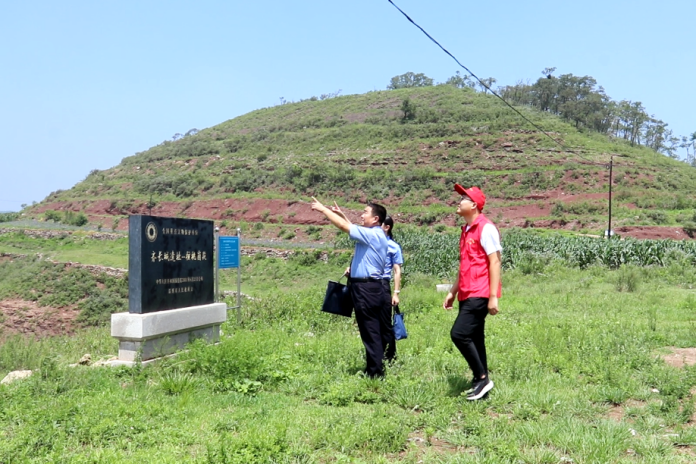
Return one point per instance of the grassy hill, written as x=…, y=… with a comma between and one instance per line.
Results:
x=263, y=166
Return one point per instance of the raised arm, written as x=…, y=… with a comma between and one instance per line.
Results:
x=336, y=209
x=339, y=220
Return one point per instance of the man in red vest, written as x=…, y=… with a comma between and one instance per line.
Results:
x=477, y=286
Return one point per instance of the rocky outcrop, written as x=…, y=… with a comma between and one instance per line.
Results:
x=15, y=375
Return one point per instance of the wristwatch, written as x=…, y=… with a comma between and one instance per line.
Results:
x=397, y=291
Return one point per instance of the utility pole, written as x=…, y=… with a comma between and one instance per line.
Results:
x=611, y=168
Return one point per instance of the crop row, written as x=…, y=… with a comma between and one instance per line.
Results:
x=437, y=254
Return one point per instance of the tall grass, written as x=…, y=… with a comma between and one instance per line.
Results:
x=575, y=364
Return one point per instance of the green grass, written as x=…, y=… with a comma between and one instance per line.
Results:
x=567, y=349
x=76, y=246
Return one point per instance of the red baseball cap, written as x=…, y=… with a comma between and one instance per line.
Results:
x=474, y=193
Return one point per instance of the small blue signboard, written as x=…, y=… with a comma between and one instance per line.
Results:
x=228, y=255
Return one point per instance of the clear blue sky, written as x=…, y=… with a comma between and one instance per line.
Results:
x=84, y=84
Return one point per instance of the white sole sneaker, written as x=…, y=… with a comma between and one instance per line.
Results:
x=482, y=393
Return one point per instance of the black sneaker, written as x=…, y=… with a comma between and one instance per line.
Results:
x=481, y=388
x=473, y=382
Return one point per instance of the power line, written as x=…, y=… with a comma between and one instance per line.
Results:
x=475, y=76
x=563, y=147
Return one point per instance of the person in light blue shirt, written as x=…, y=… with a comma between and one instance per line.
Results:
x=393, y=263
x=370, y=300
x=394, y=260
x=371, y=247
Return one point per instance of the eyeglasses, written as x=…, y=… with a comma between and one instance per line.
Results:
x=467, y=199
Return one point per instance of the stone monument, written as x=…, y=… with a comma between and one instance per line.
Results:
x=171, y=296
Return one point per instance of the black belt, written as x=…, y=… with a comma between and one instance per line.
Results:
x=364, y=279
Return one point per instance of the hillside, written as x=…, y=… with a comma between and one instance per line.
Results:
x=262, y=167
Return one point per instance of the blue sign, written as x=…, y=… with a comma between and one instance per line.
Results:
x=228, y=254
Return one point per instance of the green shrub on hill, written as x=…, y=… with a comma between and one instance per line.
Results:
x=8, y=217
x=69, y=217
x=58, y=286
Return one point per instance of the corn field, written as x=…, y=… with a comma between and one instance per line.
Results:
x=436, y=254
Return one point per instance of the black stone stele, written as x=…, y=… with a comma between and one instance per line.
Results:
x=170, y=263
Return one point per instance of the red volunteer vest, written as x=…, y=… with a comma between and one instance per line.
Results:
x=473, y=263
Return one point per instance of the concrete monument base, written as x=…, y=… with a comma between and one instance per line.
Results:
x=147, y=336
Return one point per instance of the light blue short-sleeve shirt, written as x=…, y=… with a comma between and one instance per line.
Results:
x=393, y=257
x=370, y=251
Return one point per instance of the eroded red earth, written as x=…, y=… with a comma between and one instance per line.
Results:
x=299, y=213
x=28, y=318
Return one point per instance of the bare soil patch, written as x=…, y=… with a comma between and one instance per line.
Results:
x=653, y=232
x=532, y=210
x=430, y=445
x=27, y=317
x=617, y=412
x=680, y=357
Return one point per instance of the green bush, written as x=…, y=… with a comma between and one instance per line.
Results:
x=79, y=220
x=531, y=263
x=8, y=217
x=306, y=258
x=557, y=209
x=659, y=217
x=55, y=216
x=689, y=228
x=98, y=307
x=627, y=278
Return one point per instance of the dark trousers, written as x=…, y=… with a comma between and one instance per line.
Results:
x=387, y=326
x=369, y=301
x=467, y=334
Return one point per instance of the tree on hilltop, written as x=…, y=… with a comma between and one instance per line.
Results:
x=460, y=81
x=487, y=83
x=408, y=80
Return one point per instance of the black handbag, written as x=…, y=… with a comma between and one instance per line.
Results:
x=337, y=299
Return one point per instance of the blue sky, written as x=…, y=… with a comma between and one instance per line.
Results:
x=84, y=84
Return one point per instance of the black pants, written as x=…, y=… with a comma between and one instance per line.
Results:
x=369, y=301
x=467, y=334
x=386, y=323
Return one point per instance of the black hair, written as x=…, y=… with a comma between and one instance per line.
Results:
x=379, y=211
x=388, y=221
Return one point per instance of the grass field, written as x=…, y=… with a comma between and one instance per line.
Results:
x=78, y=246
x=575, y=356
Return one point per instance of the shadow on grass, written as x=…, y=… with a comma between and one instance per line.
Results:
x=457, y=385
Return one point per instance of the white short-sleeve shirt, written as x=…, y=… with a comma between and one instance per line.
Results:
x=490, y=239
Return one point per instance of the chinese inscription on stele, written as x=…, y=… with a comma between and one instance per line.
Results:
x=170, y=263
